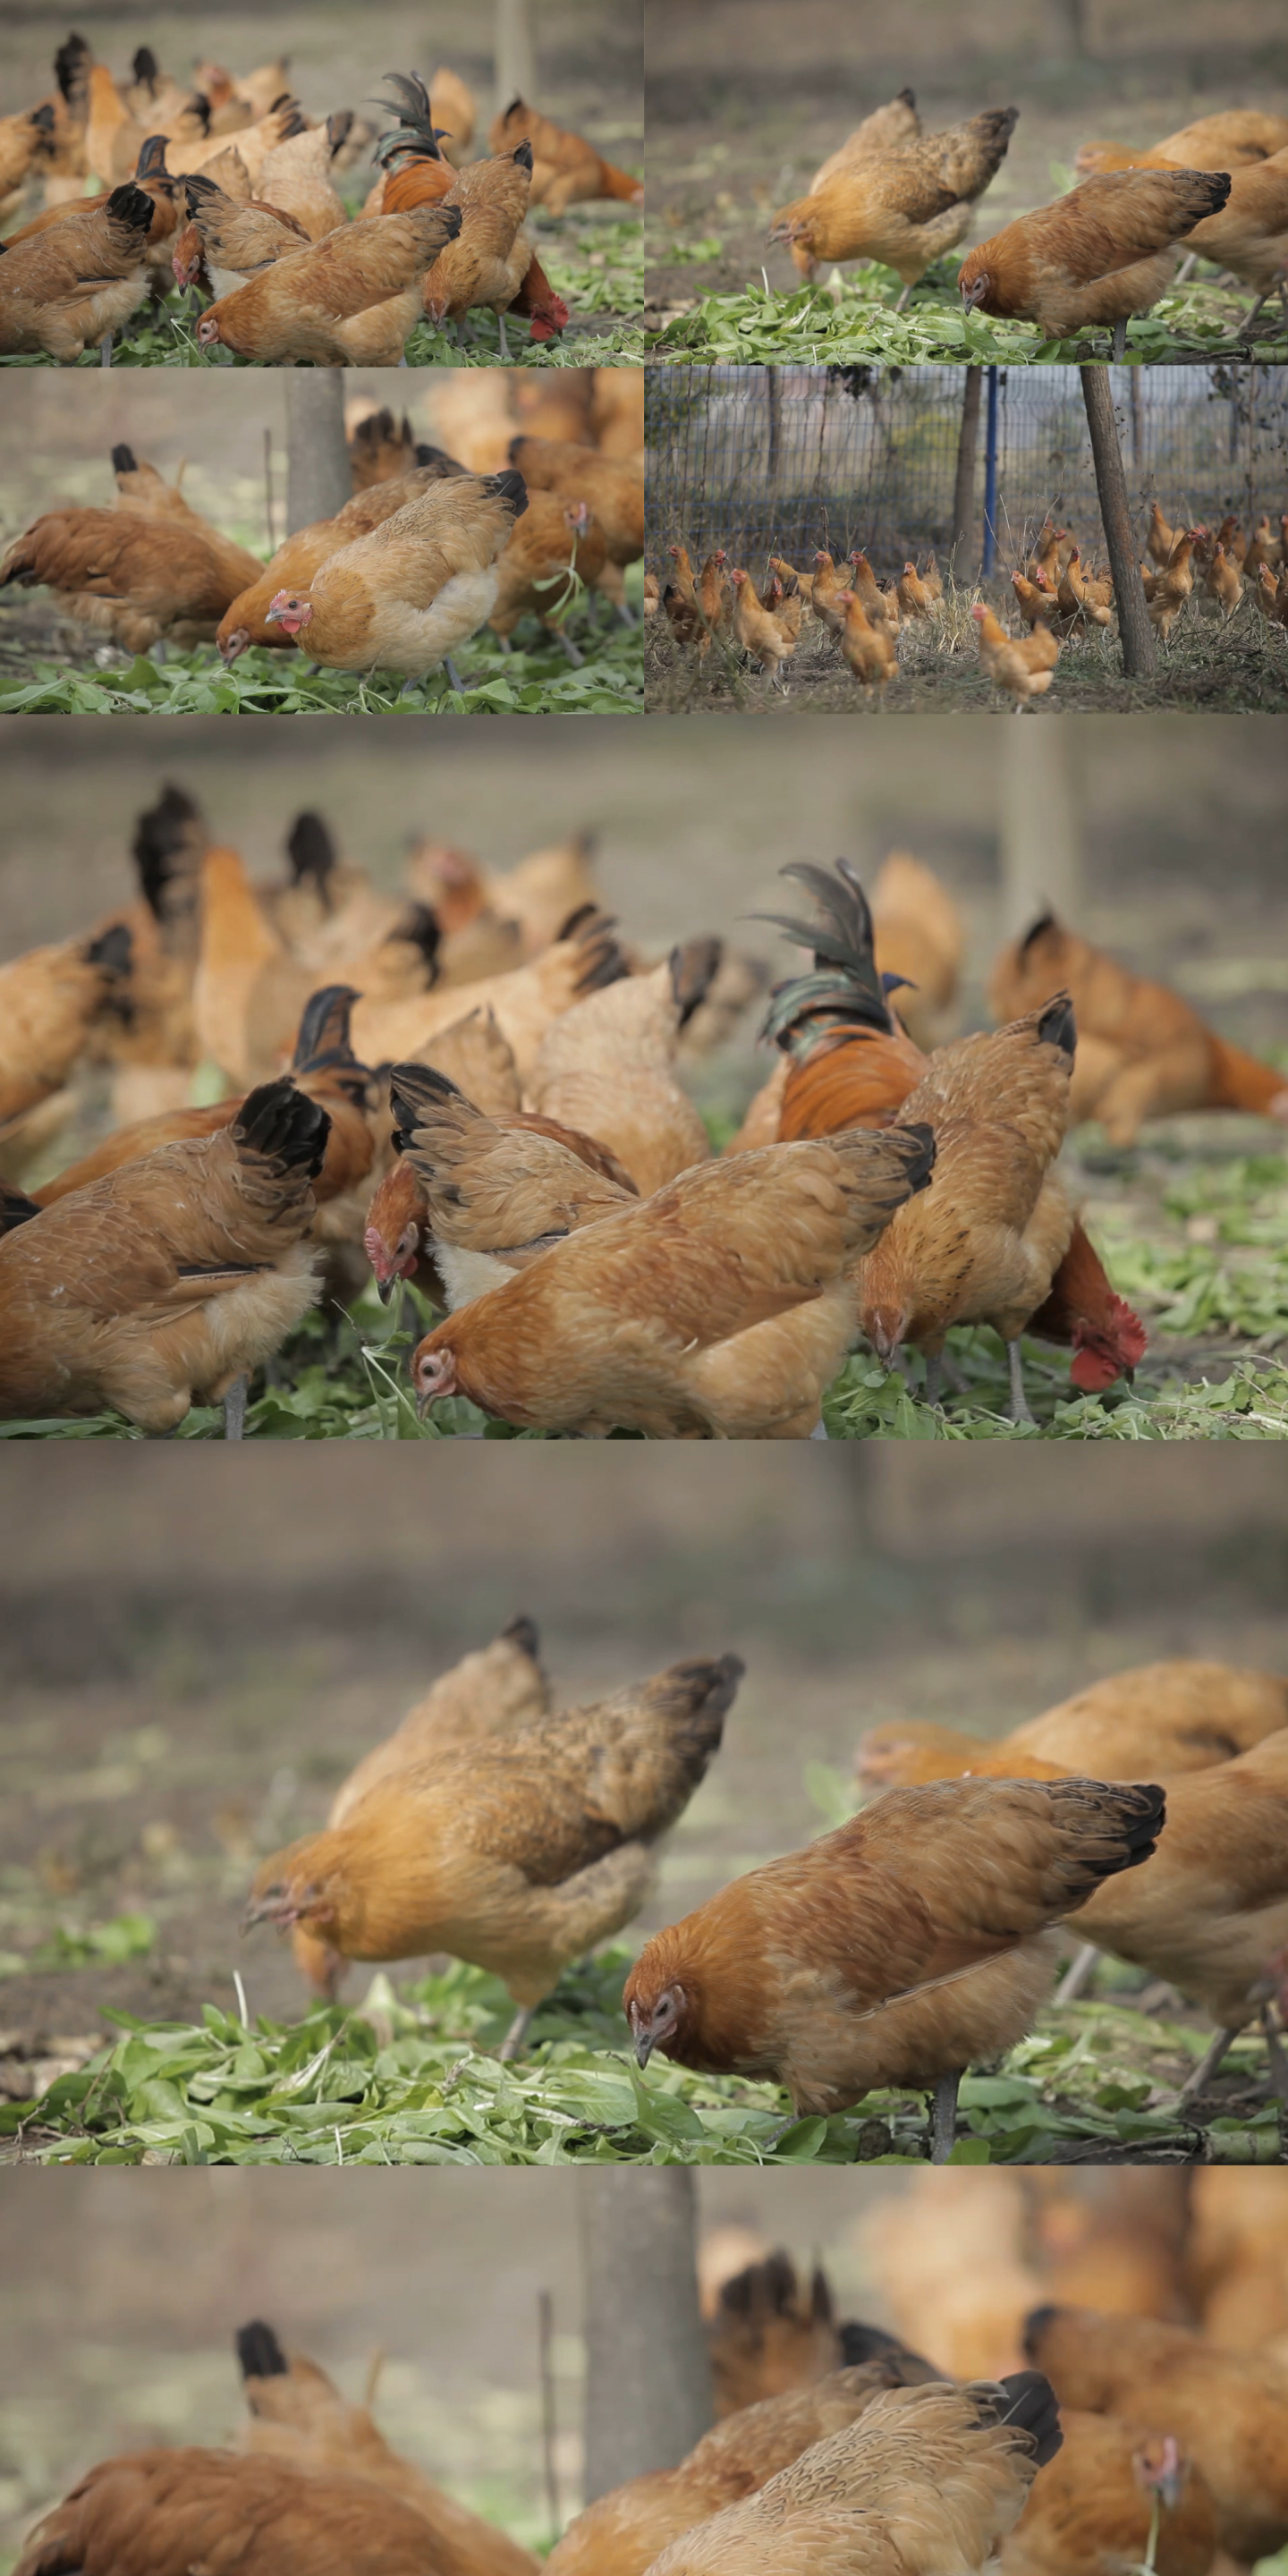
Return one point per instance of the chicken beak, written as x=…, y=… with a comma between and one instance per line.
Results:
x=385, y=1288
x=423, y=1402
x=643, y=2047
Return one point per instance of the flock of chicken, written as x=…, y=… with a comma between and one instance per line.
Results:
x=230, y=187
x=425, y=554
x=484, y=1096
x=1057, y=597
x=1106, y=250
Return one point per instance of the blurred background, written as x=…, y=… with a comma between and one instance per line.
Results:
x=744, y=99
x=123, y=2293
x=197, y=1657
x=589, y=57
x=1158, y=838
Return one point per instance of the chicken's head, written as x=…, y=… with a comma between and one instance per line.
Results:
x=208, y=329
x=433, y=1373
x=234, y=642
x=974, y=290
x=284, y=1894
x=655, y=2019
x=1105, y=1352
x=392, y=1261
x=289, y=609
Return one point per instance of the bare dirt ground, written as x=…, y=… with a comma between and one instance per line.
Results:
x=744, y=102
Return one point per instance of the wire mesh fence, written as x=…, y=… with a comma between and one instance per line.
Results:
x=762, y=459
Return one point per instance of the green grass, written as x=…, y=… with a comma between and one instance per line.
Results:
x=597, y=267
x=534, y=678
x=852, y=316
x=413, y=2078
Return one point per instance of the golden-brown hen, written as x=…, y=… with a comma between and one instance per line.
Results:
x=49, y=1001
x=986, y=1239
x=518, y=1855
x=302, y=554
x=719, y=1308
x=566, y=169
x=607, y=1066
x=904, y=206
x=894, y=1952
x=349, y=300
x=1099, y=254
x=1152, y=1721
x=406, y=595
x=297, y=2414
x=168, y=2513
x=928, y=2478
x=78, y=281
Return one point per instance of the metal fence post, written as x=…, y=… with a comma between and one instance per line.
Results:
x=990, y=477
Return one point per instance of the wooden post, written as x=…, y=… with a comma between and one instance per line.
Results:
x=1136, y=635
x=318, y=480
x=648, y=2376
x=515, y=62
x=1041, y=828
x=959, y=557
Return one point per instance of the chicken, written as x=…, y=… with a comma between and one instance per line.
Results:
x=50, y=1000
x=352, y=299
x=322, y=1065
x=1223, y=582
x=296, y=179
x=1091, y=2509
x=168, y=2513
x=850, y=1063
x=883, y=131
x=566, y=170
x=1231, y=2412
x=868, y=648
x=1022, y=667
x=1228, y=140
x=1099, y=254
x=382, y=449
x=1142, y=1051
x=1172, y=586
x=553, y=538
x=1081, y=597
x=995, y=1224
x=913, y=596
x=227, y=242
x=77, y=282
x=496, y=1691
x=622, y=2533
x=765, y=2337
x=904, y=207
x=1117, y=2243
x=518, y=1855
x=153, y=179
x=1154, y=1720
x=1161, y=538
x=404, y=596
x=882, y=606
x=607, y=1067
x=1249, y=234
x=919, y=1935
x=928, y=2478
x=246, y=619
x=297, y=2415
x=524, y=1001
x=719, y=1308
x=149, y=569
x=829, y=593
x=920, y=938
x=488, y=259
x=713, y=597
x=538, y=896
x=177, y=1275
x=494, y=1193
x=24, y=139
x=612, y=491
x=755, y=630
x=1210, y=1914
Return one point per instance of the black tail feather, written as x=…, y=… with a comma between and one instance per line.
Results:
x=259, y=2354
x=284, y=1125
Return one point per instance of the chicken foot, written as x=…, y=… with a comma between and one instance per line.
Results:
x=1197, y=2082
x=1077, y=1978
x=1278, y=2057
x=235, y=1408
x=105, y=350
x=943, y=2119
x=1119, y=348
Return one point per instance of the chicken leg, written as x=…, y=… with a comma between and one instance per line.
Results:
x=1278, y=2056
x=235, y=1409
x=1119, y=351
x=105, y=350
x=1077, y=1978
x=1197, y=2082
x=943, y=2119
x=516, y=2034
x=1019, y=1404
